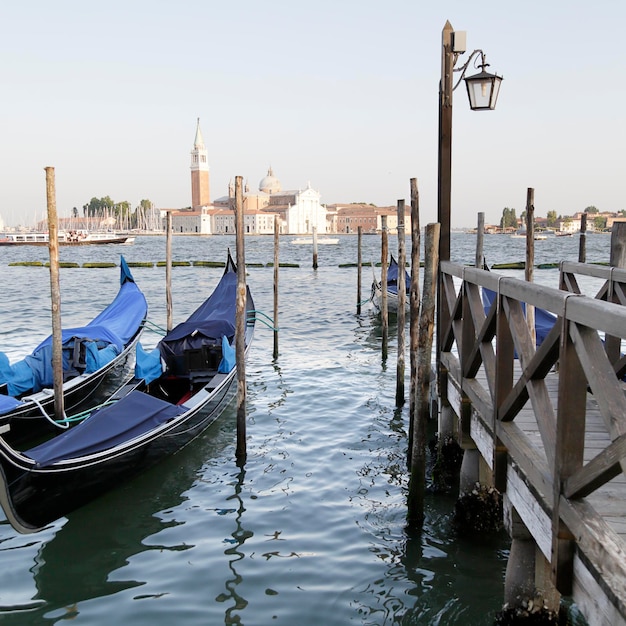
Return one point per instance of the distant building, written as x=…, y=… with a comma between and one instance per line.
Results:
x=348, y=217
x=255, y=222
x=189, y=221
x=299, y=211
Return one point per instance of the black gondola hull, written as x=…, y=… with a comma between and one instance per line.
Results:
x=39, y=496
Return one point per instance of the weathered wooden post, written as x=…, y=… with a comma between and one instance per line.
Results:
x=168, y=270
x=358, y=269
x=384, y=311
x=276, y=267
x=414, y=304
x=530, y=258
x=424, y=363
x=314, y=247
x=480, y=242
x=401, y=306
x=618, y=245
x=582, y=242
x=617, y=259
x=55, y=292
x=240, y=324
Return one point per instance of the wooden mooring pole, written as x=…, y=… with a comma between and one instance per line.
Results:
x=415, y=501
x=168, y=270
x=240, y=324
x=530, y=258
x=384, y=310
x=582, y=242
x=314, y=247
x=358, y=269
x=414, y=304
x=55, y=292
x=401, y=306
x=276, y=267
x=480, y=242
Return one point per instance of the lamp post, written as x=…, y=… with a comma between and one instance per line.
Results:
x=482, y=90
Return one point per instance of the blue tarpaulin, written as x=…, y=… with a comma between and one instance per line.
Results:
x=212, y=320
x=229, y=359
x=148, y=365
x=133, y=415
x=86, y=348
x=392, y=278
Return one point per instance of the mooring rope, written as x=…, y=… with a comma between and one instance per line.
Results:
x=253, y=316
x=155, y=328
x=58, y=424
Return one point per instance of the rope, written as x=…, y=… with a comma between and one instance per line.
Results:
x=253, y=317
x=58, y=424
x=83, y=414
x=155, y=328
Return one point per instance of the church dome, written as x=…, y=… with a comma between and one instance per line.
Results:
x=269, y=184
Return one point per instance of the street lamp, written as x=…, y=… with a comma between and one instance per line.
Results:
x=482, y=90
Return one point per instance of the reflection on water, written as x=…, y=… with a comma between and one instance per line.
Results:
x=313, y=529
x=235, y=554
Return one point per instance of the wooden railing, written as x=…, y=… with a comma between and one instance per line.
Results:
x=487, y=356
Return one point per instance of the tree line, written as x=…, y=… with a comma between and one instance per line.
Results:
x=121, y=213
x=509, y=218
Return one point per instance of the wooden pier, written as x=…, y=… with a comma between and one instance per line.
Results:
x=546, y=426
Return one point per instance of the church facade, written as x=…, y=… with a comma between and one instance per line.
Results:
x=299, y=211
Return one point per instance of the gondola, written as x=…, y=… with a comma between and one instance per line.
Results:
x=95, y=356
x=180, y=388
x=392, y=288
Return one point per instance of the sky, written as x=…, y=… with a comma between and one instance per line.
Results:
x=341, y=94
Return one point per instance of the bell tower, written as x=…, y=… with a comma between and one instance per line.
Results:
x=200, y=195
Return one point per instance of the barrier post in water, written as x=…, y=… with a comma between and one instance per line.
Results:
x=358, y=269
x=414, y=304
x=314, y=247
x=168, y=270
x=417, y=479
x=582, y=242
x=240, y=323
x=530, y=258
x=384, y=313
x=401, y=306
x=276, y=266
x=55, y=292
x=480, y=241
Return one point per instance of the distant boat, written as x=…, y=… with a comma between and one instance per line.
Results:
x=320, y=240
x=66, y=238
x=521, y=234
